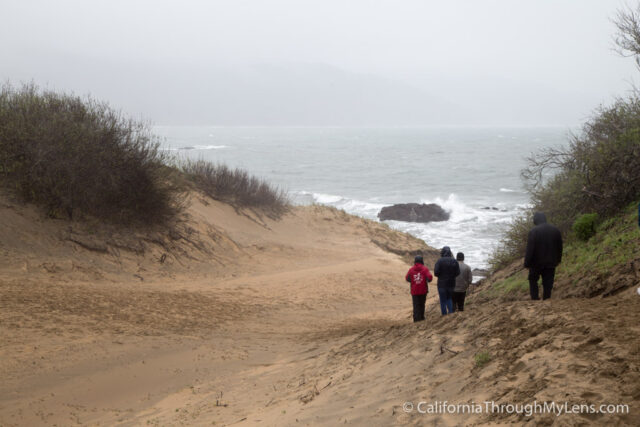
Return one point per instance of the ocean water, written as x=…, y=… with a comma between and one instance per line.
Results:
x=474, y=173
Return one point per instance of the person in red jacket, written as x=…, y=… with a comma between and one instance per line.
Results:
x=419, y=276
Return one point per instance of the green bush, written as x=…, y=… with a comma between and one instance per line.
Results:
x=585, y=226
x=482, y=359
x=514, y=242
x=598, y=172
x=76, y=156
x=236, y=187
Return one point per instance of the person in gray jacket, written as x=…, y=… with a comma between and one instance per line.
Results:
x=462, y=283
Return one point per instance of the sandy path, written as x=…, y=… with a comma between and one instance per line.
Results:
x=163, y=348
x=167, y=356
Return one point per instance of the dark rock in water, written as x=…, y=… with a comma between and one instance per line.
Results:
x=480, y=272
x=492, y=208
x=414, y=212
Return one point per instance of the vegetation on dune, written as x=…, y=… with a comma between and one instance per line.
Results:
x=516, y=284
x=482, y=358
x=598, y=173
x=513, y=243
x=612, y=250
x=235, y=187
x=78, y=157
x=585, y=226
x=607, y=262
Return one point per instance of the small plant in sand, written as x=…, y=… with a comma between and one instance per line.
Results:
x=482, y=358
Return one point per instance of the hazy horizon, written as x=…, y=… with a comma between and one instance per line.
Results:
x=311, y=63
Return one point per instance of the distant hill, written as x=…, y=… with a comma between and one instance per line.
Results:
x=296, y=94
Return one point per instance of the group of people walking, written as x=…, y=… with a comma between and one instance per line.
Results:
x=543, y=254
x=454, y=278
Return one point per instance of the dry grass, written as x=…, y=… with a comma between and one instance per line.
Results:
x=236, y=187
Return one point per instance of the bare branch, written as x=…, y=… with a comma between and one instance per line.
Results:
x=627, y=39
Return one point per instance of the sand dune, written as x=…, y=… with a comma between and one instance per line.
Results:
x=236, y=319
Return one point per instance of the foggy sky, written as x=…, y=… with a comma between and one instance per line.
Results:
x=345, y=62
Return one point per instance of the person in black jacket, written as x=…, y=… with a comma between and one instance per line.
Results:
x=446, y=270
x=544, y=253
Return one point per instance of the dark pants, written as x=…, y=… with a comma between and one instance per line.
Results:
x=547, y=274
x=418, y=307
x=446, y=304
x=458, y=300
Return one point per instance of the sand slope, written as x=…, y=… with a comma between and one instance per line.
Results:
x=236, y=319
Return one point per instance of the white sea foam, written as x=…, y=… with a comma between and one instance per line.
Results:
x=210, y=147
x=356, y=207
x=196, y=147
x=326, y=199
x=466, y=230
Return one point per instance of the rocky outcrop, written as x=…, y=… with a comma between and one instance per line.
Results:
x=480, y=272
x=414, y=212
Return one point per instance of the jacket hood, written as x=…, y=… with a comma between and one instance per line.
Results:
x=418, y=260
x=446, y=252
x=539, y=218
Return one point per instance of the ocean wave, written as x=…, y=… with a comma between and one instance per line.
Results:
x=458, y=210
x=210, y=147
x=196, y=147
x=326, y=199
x=353, y=206
x=470, y=228
x=508, y=190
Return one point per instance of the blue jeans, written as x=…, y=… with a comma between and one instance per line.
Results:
x=446, y=300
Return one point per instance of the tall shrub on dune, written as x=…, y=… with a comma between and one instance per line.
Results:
x=75, y=156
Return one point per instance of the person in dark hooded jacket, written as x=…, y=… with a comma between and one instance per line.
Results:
x=544, y=253
x=419, y=276
x=446, y=270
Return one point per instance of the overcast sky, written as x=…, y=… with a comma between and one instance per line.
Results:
x=345, y=62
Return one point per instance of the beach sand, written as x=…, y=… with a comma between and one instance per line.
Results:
x=237, y=319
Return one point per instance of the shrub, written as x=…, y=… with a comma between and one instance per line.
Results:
x=513, y=243
x=236, y=187
x=482, y=359
x=76, y=156
x=585, y=226
x=598, y=172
